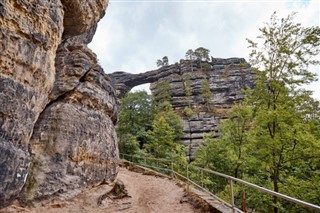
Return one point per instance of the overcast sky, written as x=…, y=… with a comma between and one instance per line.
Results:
x=135, y=33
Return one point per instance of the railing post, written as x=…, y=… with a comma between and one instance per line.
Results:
x=201, y=178
x=232, y=197
x=244, y=202
x=188, y=177
x=172, y=170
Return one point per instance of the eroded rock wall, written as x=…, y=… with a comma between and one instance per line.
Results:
x=226, y=78
x=57, y=107
x=30, y=32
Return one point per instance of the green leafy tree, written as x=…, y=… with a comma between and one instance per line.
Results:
x=187, y=89
x=161, y=142
x=161, y=92
x=166, y=111
x=202, y=54
x=235, y=135
x=213, y=154
x=159, y=63
x=161, y=139
x=272, y=137
x=163, y=62
x=283, y=135
x=135, y=118
x=190, y=55
x=129, y=144
x=206, y=93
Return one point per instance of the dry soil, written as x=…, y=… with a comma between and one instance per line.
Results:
x=147, y=194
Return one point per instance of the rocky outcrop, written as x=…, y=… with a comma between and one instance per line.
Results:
x=124, y=81
x=226, y=78
x=58, y=108
x=74, y=141
x=81, y=15
x=30, y=32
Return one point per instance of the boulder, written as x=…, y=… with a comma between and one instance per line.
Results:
x=58, y=108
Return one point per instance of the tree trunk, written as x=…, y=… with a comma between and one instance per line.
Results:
x=276, y=189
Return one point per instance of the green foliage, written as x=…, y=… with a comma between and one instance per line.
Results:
x=165, y=111
x=236, y=136
x=227, y=154
x=213, y=154
x=187, y=112
x=282, y=134
x=190, y=55
x=159, y=63
x=272, y=137
x=187, y=89
x=161, y=140
x=135, y=118
x=202, y=53
x=164, y=137
x=161, y=92
x=129, y=144
x=163, y=62
x=206, y=93
x=148, y=130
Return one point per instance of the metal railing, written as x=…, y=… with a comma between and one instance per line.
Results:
x=170, y=168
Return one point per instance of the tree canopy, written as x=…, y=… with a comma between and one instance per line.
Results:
x=272, y=137
x=135, y=119
x=163, y=62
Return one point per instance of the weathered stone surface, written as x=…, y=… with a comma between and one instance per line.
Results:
x=81, y=15
x=226, y=78
x=124, y=82
x=58, y=108
x=30, y=32
x=72, y=63
x=74, y=141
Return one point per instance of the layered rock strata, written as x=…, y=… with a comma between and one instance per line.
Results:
x=58, y=108
x=226, y=78
x=30, y=32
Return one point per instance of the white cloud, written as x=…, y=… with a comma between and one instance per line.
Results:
x=134, y=34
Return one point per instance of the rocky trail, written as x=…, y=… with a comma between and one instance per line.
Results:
x=145, y=194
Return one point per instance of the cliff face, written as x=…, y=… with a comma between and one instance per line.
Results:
x=226, y=78
x=58, y=108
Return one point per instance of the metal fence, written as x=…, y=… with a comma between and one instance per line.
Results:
x=171, y=167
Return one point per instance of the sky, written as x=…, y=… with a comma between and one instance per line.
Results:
x=134, y=34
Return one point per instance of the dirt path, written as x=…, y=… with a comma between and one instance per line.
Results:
x=148, y=194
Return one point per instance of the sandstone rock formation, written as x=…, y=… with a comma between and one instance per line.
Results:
x=58, y=108
x=226, y=78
